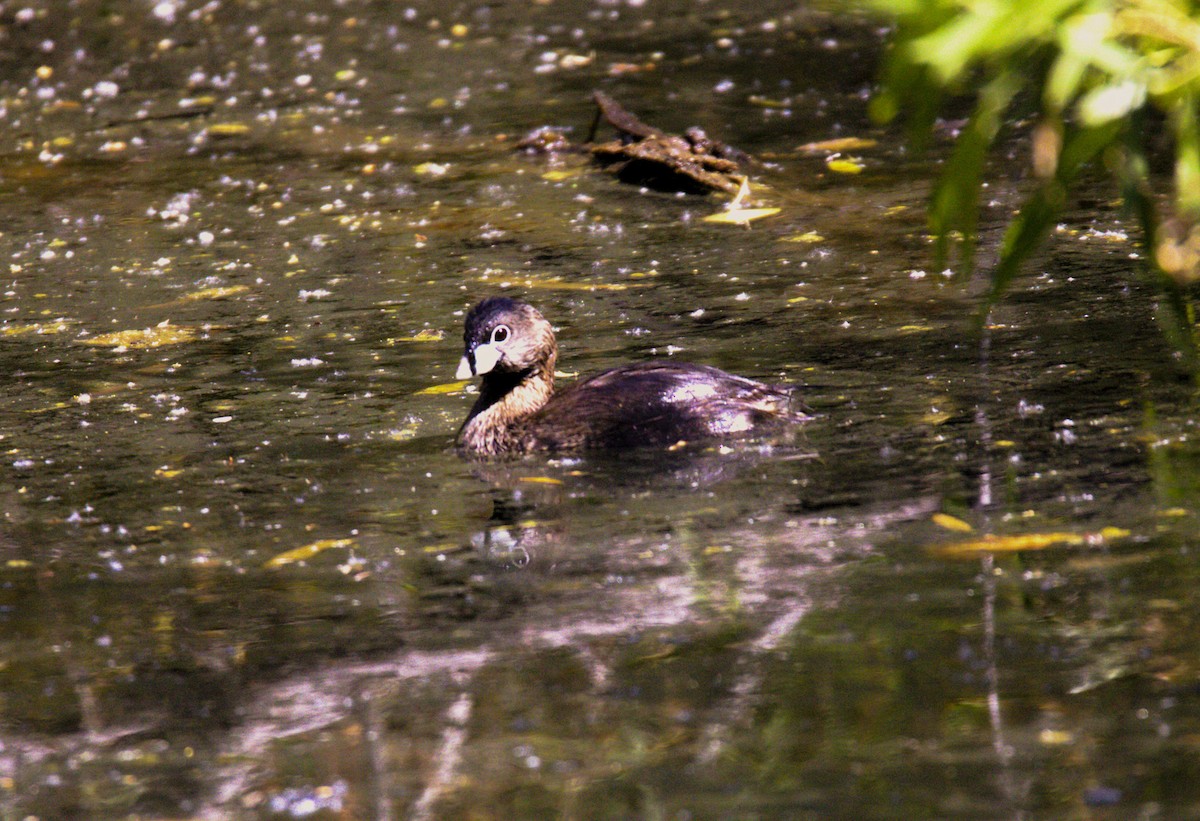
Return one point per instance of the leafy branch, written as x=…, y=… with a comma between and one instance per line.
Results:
x=1100, y=73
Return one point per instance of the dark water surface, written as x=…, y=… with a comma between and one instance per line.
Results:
x=244, y=575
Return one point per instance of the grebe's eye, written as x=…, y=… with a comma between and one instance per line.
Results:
x=499, y=333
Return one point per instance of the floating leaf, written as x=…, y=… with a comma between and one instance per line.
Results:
x=558, y=284
x=307, y=551
x=808, y=238
x=1092, y=562
x=432, y=169
x=844, y=165
x=839, y=144
x=228, y=129
x=427, y=335
x=575, y=60
x=441, y=390
x=55, y=326
x=1029, y=541
x=951, y=523
x=741, y=216
x=1055, y=738
x=404, y=433
x=162, y=334
x=541, y=480
x=620, y=69
x=220, y=292
x=767, y=102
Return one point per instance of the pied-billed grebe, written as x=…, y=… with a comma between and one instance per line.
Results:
x=512, y=347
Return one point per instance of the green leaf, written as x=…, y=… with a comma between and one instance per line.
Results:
x=1175, y=315
x=954, y=206
x=1113, y=101
x=908, y=87
x=951, y=48
x=1101, y=66
x=1187, y=156
x=1064, y=82
x=1040, y=211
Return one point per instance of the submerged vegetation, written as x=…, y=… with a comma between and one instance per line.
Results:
x=1113, y=81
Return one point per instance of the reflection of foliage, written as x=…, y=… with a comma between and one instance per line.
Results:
x=1105, y=72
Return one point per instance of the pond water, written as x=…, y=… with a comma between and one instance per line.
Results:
x=244, y=574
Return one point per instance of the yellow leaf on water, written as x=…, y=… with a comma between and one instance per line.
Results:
x=228, y=129
x=307, y=551
x=219, y=292
x=1029, y=541
x=767, y=102
x=951, y=523
x=161, y=334
x=1055, y=738
x=541, y=480
x=1105, y=561
x=432, y=169
x=427, y=335
x=741, y=216
x=838, y=144
x=405, y=432
x=56, y=326
x=808, y=237
x=557, y=284
x=53, y=407
x=844, y=165
x=447, y=388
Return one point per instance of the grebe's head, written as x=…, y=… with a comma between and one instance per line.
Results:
x=506, y=336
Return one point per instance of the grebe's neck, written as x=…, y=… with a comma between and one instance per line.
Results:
x=505, y=401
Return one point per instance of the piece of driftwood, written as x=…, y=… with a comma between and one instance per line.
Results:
x=643, y=155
